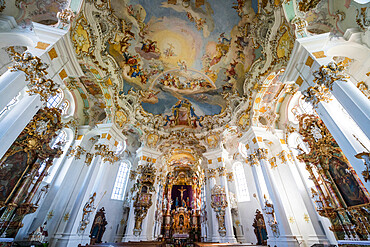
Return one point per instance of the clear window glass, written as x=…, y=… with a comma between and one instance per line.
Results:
x=121, y=181
x=53, y=101
x=241, y=183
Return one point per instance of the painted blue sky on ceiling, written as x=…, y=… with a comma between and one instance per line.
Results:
x=173, y=51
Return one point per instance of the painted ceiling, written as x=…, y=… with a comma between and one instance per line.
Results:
x=184, y=50
x=160, y=66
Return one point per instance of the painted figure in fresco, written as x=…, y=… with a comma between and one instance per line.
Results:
x=149, y=46
x=346, y=183
x=11, y=172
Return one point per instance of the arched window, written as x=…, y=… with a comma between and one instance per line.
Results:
x=241, y=183
x=53, y=101
x=64, y=107
x=121, y=181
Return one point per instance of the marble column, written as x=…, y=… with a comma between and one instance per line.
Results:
x=146, y=156
x=231, y=186
x=11, y=83
x=230, y=238
x=212, y=182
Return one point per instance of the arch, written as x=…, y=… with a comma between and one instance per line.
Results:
x=351, y=50
x=15, y=39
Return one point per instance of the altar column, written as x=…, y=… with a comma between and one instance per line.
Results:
x=146, y=156
x=310, y=69
x=280, y=233
x=228, y=218
x=232, y=188
x=212, y=182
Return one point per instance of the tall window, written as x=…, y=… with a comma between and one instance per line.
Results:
x=53, y=101
x=64, y=107
x=121, y=181
x=241, y=183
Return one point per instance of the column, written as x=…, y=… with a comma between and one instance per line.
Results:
x=266, y=187
x=311, y=67
x=146, y=156
x=68, y=232
x=231, y=186
x=355, y=103
x=212, y=182
x=16, y=120
x=228, y=218
x=11, y=83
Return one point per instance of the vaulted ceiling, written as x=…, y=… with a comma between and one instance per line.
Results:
x=157, y=68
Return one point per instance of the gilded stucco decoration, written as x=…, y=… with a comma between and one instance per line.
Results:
x=362, y=18
x=328, y=74
x=307, y=5
x=219, y=204
x=316, y=94
x=81, y=37
x=143, y=187
x=364, y=88
x=36, y=74
x=30, y=156
x=340, y=194
x=65, y=17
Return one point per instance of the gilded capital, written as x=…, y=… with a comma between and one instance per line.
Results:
x=133, y=174
x=35, y=71
x=316, y=94
x=211, y=173
x=328, y=74
x=261, y=153
x=221, y=171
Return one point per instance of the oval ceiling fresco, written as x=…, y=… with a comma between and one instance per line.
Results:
x=181, y=50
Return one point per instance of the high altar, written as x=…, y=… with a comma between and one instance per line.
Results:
x=181, y=204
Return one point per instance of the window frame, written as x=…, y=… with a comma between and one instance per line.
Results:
x=120, y=183
x=242, y=192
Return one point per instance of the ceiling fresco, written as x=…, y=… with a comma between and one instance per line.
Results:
x=180, y=51
x=171, y=66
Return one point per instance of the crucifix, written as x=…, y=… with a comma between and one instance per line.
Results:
x=182, y=192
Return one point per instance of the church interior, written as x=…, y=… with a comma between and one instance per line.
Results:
x=184, y=123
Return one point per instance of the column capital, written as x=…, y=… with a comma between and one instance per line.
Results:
x=221, y=171
x=326, y=75
x=316, y=94
x=211, y=173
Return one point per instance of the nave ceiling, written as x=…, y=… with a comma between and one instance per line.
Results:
x=181, y=73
